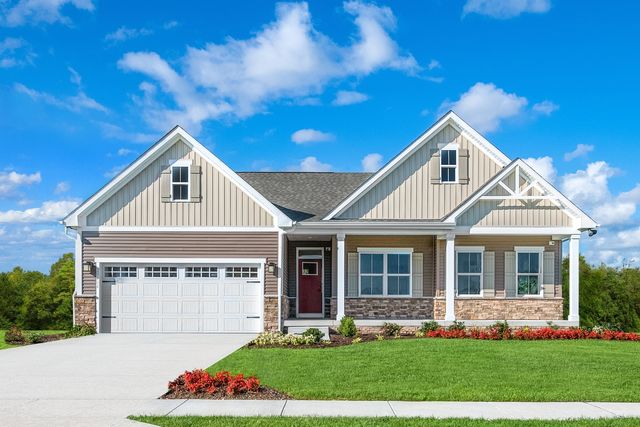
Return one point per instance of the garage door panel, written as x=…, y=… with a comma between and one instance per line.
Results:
x=181, y=304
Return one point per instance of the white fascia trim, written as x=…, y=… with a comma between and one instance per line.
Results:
x=151, y=260
x=384, y=250
x=519, y=231
x=73, y=219
x=375, y=228
x=181, y=229
x=469, y=248
x=449, y=118
x=571, y=209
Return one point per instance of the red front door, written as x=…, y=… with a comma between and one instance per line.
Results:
x=310, y=286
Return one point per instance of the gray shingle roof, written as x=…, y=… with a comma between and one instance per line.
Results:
x=305, y=195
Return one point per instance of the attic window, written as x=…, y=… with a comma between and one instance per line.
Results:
x=448, y=165
x=179, y=182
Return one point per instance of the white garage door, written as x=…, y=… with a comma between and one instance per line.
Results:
x=181, y=298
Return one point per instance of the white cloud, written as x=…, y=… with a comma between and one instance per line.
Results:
x=304, y=136
x=170, y=24
x=545, y=107
x=544, y=166
x=37, y=11
x=114, y=171
x=75, y=103
x=485, y=106
x=15, y=52
x=49, y=211
x=581, y=150
x=371, y=162
x=433, y=64
x=589, y=186
x=10, y=181
x=504, y=9
x=312, y=164
x=287, y=59
x=112, y=131
x=62, y=187
x=124, y=152
x=125, y=33
x=75, y=77
x=348, y=97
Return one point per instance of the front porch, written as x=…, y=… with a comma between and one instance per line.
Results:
x=431, y=284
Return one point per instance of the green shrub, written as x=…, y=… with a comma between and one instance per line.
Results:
x=429, y=326
x=80, y=331
x=278, y=338
x=315, y=333
x=501, y=328
x=391, y=329
x=34, y=337
x=456, y=326
x=347, y=327
x=14, y=336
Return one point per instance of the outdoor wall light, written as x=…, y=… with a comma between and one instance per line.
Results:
x=87, y=266
x=271, y=268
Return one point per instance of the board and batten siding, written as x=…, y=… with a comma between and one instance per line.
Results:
x=499, y=245
x=407, y=192
x=420, y=244
x=180, y=245
x=514, y=213
x=139, y=202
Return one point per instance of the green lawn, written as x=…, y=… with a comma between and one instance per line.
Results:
x=362, y=422
x=4, y=345
x=457, y=370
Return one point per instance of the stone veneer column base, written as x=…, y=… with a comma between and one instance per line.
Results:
x=85, y=310
x=271, y=313
x=389, y=308
x=502, y=308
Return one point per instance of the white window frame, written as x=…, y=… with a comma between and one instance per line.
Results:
x=187, y=164
x=470, y=249
x=530, y=249
x=450, y=147
x=385, y=275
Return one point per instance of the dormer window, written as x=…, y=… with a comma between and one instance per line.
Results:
x=448, y=165
x=180, y=182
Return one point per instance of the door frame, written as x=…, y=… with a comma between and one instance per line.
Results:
x=319, y=257
x=101, y=261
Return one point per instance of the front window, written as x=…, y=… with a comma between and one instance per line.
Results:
x=180, y=182
x=528, y=273
x=469, y=272
x=384, y=274
x=448, y=163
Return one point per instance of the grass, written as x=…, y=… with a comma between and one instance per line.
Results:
x=4, y=345
x=449, y=370
x=361, y=422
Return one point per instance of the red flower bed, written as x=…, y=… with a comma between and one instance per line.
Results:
x=200, y=384
x=529, y=334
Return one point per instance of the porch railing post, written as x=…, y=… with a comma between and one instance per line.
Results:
x=340, y=256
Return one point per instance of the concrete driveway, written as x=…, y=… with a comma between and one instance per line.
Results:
x=101, y=379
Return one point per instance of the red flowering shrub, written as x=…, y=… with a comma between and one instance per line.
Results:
x=530, y=334
x=200, y=381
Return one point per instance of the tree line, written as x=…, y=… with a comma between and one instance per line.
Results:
x=33, y=300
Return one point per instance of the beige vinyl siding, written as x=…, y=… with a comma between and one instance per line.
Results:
x=407, y=192
x=499, y=245
x=139, y=204
x=420, y=244
x=180, y=245
x=514, y=213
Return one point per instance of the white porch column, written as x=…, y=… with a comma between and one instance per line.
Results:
x=574, y=278
x=340, y=273
x=450, y=293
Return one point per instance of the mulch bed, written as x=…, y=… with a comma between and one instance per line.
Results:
x=263, y=393
x=46, y=338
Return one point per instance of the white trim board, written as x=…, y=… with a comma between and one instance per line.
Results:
x=151, y=260
x=449, y=118
x=185, y=229
x=78, y=216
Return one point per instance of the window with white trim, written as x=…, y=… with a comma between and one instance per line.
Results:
x=196, y=272
x=160, y=271
x=179, y=182
x=448, y=165
x=529, y=271
x=241, y=272
x=120, y=271
x=385, y=273
x=469, y=272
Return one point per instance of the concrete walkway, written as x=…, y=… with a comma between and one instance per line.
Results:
x=341, y=408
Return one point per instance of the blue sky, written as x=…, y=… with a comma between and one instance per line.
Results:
x=86, y=85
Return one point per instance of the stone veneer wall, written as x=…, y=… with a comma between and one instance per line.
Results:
x=85, y=310
x=271, y=313
x=389, y=308
x=502, y=309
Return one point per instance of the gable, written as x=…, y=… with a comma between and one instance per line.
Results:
x=407, y=192
x=138, y=203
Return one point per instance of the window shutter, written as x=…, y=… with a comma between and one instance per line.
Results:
x=510, y=285
x=194, y=183
x=488, y=274
x=352, y=274
x=435, y=167
x=548, y=274
x=165, y=184
x=417, y=284
x=463, y=168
